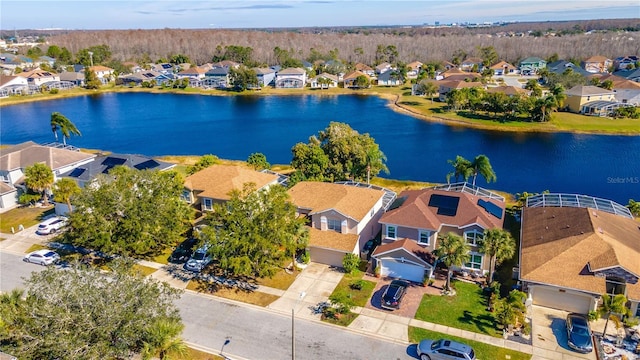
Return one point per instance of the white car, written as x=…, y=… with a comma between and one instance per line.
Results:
x=199, y=260
x=51, y=225
x=43, y=257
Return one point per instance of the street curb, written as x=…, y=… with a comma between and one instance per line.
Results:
x=214, y=352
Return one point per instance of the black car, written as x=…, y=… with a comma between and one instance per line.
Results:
x=578, y=333
x=183, y=252
x=368, y=248
x=393, y=294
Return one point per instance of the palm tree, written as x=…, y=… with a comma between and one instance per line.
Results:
x=452, y=251
x=558, y=94
x=612, y=305
x=162, y=338
x=428, y=88
x=481, y=165
x=375, y=159
x=462, y=169
x=66, y=127
x=498, y=245
x=64, y=189
x=39, y=178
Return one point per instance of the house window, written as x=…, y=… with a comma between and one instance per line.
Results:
x=207, y=204
x=333, y=224
x=473, y=237
x=423, y=237
x=475, y=261
x=615, y=285
x=391, y=231
x=186, y=196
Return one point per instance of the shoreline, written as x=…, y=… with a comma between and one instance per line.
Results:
x=393, y=99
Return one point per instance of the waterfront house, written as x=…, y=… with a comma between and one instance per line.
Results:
x=414, y=69
x=44, y=60
x=366, y=69
x=38, y=77
x=217, y=77
x=291, y=78
x=341, y=216
x=575, y=248
x=503, y=68
x=509, y=90
x=531, y=65
x=194, y=72
x=146, y=76
x=324, y=81
x=214, y=184
x=12, y=85
x=597, y=64
x=350, y=80
x=266, y=76
x=390, y=78
x=382, y=68
x=419, y=217
x=446, y=86
x=625, y=91
x=590, y=100
x=76, y=78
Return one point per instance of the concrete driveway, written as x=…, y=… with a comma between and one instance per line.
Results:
x=549, y=336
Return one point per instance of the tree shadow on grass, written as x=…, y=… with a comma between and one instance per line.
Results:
x=410, y=103
x=484, y=323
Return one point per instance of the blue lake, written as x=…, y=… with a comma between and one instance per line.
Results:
x=236, y=126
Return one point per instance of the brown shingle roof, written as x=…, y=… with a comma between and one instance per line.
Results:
x=415, y=212
x=597, y=59
x=363, y=67
x=332, y=240
x=562, y=246
x=508, y=90
x=292, y=71
x=585, y=90
x=100, y=68
x=5, y=188
x=502, y=64
x=410, y=246
x=28, y=153
x=354, y=74
x=459, y=84
x=351, y=201
x=217, y=181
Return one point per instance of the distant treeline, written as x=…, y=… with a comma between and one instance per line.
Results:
x=611, y=38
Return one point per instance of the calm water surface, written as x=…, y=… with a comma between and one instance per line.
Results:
x=236, y=126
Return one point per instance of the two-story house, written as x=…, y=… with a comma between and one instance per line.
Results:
x=446, y=86
x=503, y=68
x=266, y=76
x=531, y=65
x=597, y=64
x=412, y=226
x=341, y=216
x=590, y=100
x=102, y=72
x=324, y=81
x=575, y=248
x=38, y=77
x=291, y=78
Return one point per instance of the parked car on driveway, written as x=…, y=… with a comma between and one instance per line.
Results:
x=51, y=225
x=368, y=249
x=578, y=333
x=394, y=293
x=42, y=257
x=199, y=260
x=444, y=349
x=183, y=252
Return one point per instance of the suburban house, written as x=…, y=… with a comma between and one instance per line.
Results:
x=414, y=69
x=591, y=100
x=419, y=217
x=10, y=85
x=390, y=78
x=624, y=62
x=364, y=68
x=214, y=184
x=575, y=248
x=217, y=77
x=472, y=64
x=341, y=216
x=508, y=90
x=629, y=74
x=8, y=197
x=164, y=68
x=560, y=66
x=44, y=60
x=350, y=80
x=382, y=68
x=102, y=72
x=194, y=72
x=291, y=78
x=39, y=77
x=324, y=81
x=452, y=72
x=503, y=68
x=446, y=86
x=597, y=64
x=76, y=78
x=447, y=65
x=226, y=63
x=15, y=61
x=144, y=76
x=531, y=65
x=625, y=91
x=266, y=76
x=14, y=160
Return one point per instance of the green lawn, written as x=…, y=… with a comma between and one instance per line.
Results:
x=359, y=297
x=483, y=351
x=466, y=310
x=25, y=216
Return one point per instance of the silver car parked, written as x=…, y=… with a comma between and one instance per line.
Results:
x=444, y=349
x=199, y=260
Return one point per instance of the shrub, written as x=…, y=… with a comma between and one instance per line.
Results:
x=342, y=302
x=357, y=285
x=53, y=91
x=593, y=315
x=26, y=198
x=631, y=321
x=305, y=258
x=350, y=262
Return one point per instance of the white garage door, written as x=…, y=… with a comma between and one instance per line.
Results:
x=400, y=270
x=325, y=256
x=567, y=301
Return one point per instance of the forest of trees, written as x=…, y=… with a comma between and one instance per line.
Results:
x=360, y=44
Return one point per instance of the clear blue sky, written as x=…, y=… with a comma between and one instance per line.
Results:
x=136, y=14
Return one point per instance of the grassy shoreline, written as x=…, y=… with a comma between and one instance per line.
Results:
x=399, y=99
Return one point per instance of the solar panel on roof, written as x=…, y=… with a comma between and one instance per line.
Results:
x=397, y=203
x=491, y=208
x=113, y=161
x=77, y=172
x=149, y=164
x=447, y=205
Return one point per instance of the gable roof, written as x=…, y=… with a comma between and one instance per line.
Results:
x=415, y=211
x=561, y=66
x=459, y=84
x=351, y=201
x=332, y=240
x=100, y=68
x=36, y=73
x=6, y=188
x=217, y=181
x=473, y=60
x=508, y=90
x=502, y=64
x=102, y=164
x=587, y=90
x=292, y=71
x=354, y=75
x=597, y=59
x=28, y=153
x=263, y=71
x=415, y=65
x=363, y=67
x=531, y=59
x=328, y=76
x=628, y=74
x=408, y=246
x=563, y=246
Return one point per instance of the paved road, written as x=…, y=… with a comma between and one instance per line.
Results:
x=254, y=333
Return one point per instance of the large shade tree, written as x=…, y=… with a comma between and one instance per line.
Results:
x=499, y=245
x=87, y=313
x=61, y=123
x=255, y=232
x=452, y=251
x=39, y=178
x=130, y=212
